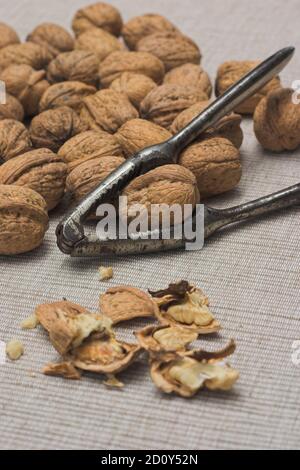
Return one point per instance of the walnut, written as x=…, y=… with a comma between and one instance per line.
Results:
x=14, y=139
x=167, y=184
x=53, y=37
x=232, y=71
x=107, y=110
x=135, y=86
x=14, y=349
x=165, y=338
x=12, y=109
x=26, y=84
x=190, y=75
x=62, y=369
x=80, y=66
x=52, y=128
x=228, y=127
x=124, y=303
x=277, y=121
x=88, y=175
x=98, y=15
x=124, y=61
x=23, y=219
x=87, y=146
x=137, y=134
x=66, y=94
x=144, y=25
x=165, y=102
x=8, y=36
x=216, y=164
x=40, y=170
x=173, y=49
x=99, y=42
x=26, y=53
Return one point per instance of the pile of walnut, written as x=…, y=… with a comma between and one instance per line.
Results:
x=90, y=101
x=87, y=342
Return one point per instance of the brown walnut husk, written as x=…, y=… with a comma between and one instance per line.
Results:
x=12, y=109
x=107, y=110
x=277, y=121
x=53, y=37
x=98, y=15
x=52, y=128
x=40, y=170
x=8, y=36
x=135, y=86
x=232, y=71
x=14, y=139
x=216, y=164
x=80, y=66
x=144, y=25
x=98, y=41
x=26, y=53
x=190, y=75
x=66, y=94
x=125, y=61
x=23, y=219
x=164, y=338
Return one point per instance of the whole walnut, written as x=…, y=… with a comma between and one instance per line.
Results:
x=165, y=102
x=135, y=85
x=8, y=36
x=137, y=134
x=53, y=37
x=87, y=146
x=144, y=25
x=229, y=126
x=23, y=219
x=215, y=162
x=172, y=48
x=12, y=109
x=125, y=61
x=41, y=170
x=14, y=139
x=277, y=121
x=26, y=53
x=52, y=128
x=88, y=175
x=79, y=66
x=26, y=84
x=66, y=94
x=167, y=184
x=99, y=42
x=232, y=71
x=98, y=15
x=107, y=110
x=190, y=75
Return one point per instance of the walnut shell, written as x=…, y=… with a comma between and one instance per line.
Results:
x=23, y=219
x=66, y=94
x=158, y=339
x=165, y=102
x=40, y=170
x=232, y=71
x=190, y=75
x=26, y=53
x=100, y=42
x=14, y=139
x=80, y=66
x=173, y=49
x=135, y=86
x=53, y=37
x=26, y=84
x=137, y=134
x=12, y=109
x=144, y=25
x=52, y=128
x=125, y=61
x=98, y=15
x=8, y=36
x=87, y=146
x=277, y=121
x=88, y=175
x=229, y=126
x=215, y=162
x=107, y=110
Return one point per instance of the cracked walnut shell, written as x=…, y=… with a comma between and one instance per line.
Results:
x=14, y=139
x=99, y=42
x=164, y=338
x=80, y=66
x=12, y=109
x=26, y=53
x=98, y=15
x=8, y=35
x=23, y=219
x=135, y=86
x=62, y=369
x=190, y=75
x=40, y=170
x=141, y=26
x=53, y=37
x=66, y=94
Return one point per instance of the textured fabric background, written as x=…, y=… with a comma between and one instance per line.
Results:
x=251, y=274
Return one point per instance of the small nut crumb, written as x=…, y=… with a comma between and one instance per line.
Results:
x=14, y=349
x=30, y=323
x=113, y=382
x=105, y=273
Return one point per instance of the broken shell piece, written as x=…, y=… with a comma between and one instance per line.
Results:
x=68, y=324
x=164, y=338
x=125, y=303
x=113, y=382
x=30, y=322
x=62, y=369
